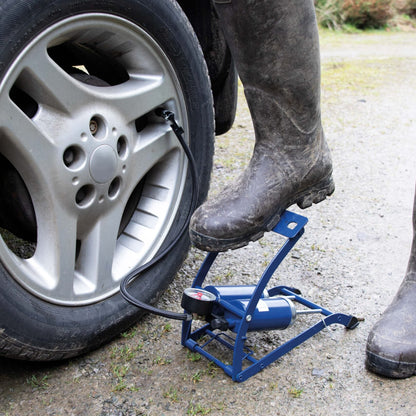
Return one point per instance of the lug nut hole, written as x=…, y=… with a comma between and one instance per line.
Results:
x=73, y=157
x=114, y=187
x=122, y=147
x=85, y=195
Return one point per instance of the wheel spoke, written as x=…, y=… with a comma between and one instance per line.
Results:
x=96, y=255
x=151, y=148
x=26, y=143
x=138, y=96
x=49, y=85
x=55, y=252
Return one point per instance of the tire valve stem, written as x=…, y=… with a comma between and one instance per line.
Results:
x=169, y=116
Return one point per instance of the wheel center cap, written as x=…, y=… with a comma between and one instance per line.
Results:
x=103, y=163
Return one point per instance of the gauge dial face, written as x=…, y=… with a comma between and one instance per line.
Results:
x=199, y=294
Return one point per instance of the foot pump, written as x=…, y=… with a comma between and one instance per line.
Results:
x=242, y=309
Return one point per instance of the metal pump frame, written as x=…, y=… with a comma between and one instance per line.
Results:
x=291, y=226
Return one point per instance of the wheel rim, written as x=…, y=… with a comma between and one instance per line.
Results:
x=88, y=147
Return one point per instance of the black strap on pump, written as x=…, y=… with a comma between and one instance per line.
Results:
x=169, y=117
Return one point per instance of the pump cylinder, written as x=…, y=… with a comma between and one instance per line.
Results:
x=230, y=293
x=270, y=313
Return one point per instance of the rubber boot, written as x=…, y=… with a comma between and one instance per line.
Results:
x=275, y=47
x=391, y=345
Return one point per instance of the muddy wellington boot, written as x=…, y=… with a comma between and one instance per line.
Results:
x=391, y=345
x=275, y=46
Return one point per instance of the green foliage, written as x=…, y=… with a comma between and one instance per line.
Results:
x=407, y=7
x=131, y=333
x=124, y=352
x=197, y=376
x=368, y=13
x=329, y=13
x=193, y=356
x=172, y=394
x=197, y=409
x=362, y=14
x=295, y=392
x=38, y=383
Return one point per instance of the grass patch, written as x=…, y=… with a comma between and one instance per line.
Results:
x=353, y=75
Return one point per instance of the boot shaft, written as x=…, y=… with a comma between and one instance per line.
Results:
x=275, y=45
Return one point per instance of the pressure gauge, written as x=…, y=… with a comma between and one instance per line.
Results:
x=198, y=301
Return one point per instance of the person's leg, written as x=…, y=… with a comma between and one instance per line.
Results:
x=391, y=345
x=275, y=46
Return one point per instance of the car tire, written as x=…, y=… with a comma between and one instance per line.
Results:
x=71, y=74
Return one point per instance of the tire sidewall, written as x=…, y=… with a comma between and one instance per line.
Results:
x=37, y=329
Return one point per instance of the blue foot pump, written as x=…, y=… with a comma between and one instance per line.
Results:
x=243, y=309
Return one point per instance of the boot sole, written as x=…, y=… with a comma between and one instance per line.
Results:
x=389, y=368
x=305, y=199
x=317, y=194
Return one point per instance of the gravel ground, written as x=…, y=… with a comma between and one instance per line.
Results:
x=351, y=259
